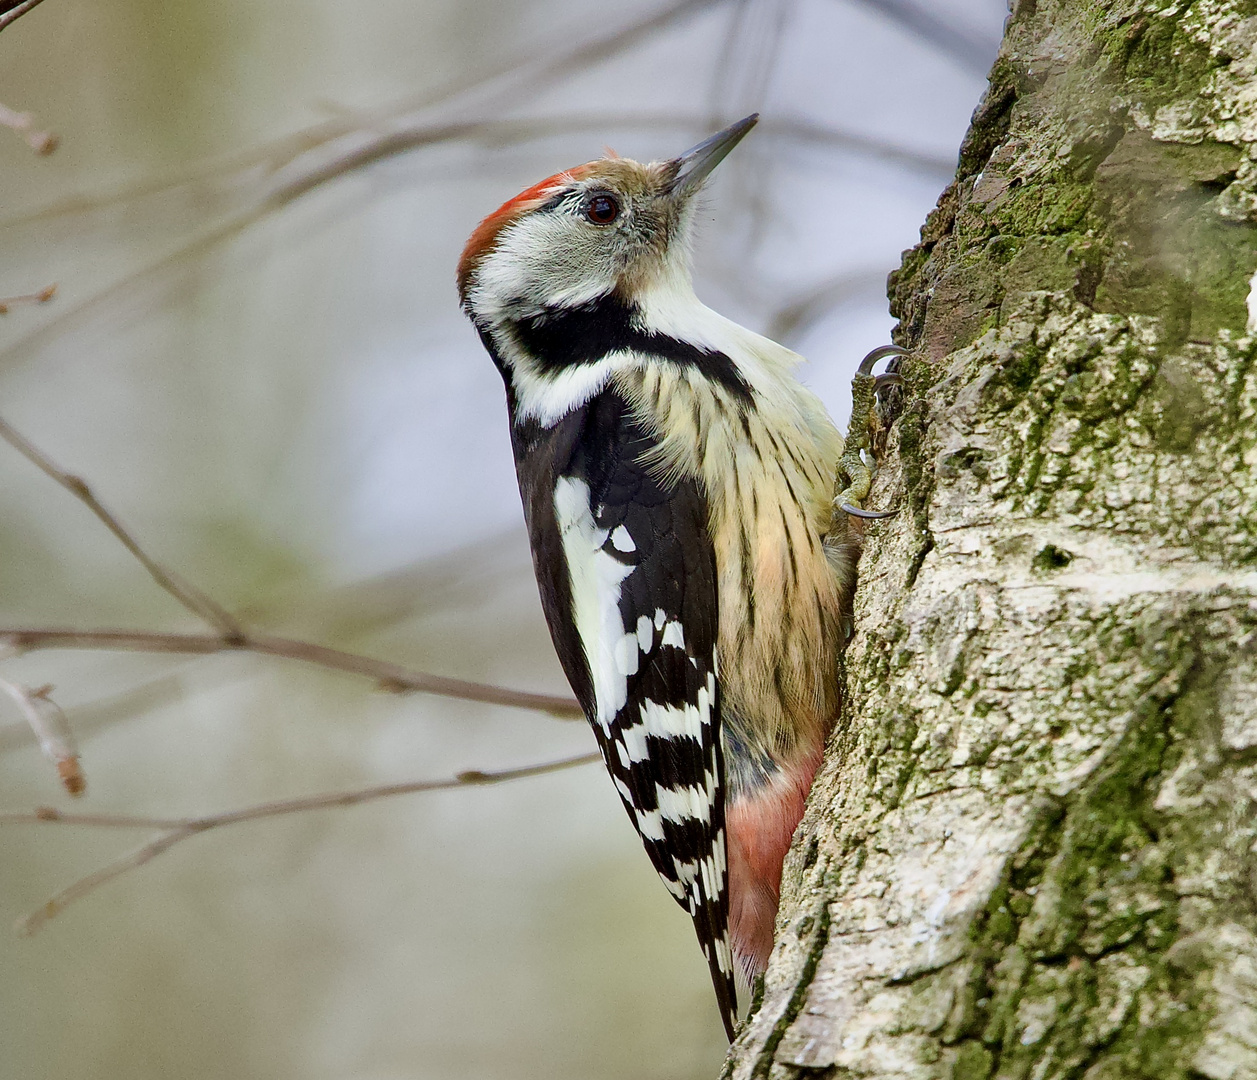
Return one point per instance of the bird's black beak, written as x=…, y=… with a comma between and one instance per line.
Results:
x=696, y=164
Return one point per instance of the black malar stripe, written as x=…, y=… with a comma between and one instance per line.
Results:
x=563, y=337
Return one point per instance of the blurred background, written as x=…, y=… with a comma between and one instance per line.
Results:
x=256, y=357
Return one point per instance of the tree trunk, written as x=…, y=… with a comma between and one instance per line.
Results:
x=1030, y=851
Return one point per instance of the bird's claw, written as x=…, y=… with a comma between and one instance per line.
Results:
x=869, y=515
x=880, y=353
x=865, y=388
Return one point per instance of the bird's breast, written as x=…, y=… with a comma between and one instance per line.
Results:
x=767, y=467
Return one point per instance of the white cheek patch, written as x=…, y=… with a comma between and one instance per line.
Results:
x=544, y=260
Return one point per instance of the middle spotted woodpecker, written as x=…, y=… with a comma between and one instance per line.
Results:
x=678, y=485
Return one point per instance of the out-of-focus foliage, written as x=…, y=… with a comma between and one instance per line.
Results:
x=280, y=396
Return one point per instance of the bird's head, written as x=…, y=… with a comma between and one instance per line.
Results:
x=609, y=226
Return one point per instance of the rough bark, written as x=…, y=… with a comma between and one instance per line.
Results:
x=1030, y=851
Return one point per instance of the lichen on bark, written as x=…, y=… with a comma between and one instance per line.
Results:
x=1030, y=850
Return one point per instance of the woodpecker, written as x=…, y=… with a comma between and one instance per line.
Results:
x=677, y=483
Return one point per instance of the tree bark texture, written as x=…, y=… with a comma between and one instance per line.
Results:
x=1032, y=848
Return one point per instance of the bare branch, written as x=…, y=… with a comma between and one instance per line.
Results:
x=233, y=636
x=104, y=711
x=795, y=318
x=31, y=923
x=488, y=92
x=42, y=142
x=280, y=807
x=52, y=730
x=42, y=297
x=971, y=51
x=388, y=676
x=10, y=12
x=188, y=595
x=498, y=132
x=175, y=830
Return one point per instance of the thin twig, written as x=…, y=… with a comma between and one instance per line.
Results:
x=14, y=11
x=290, y=183
x=485, y=93
x=498, y=132
x=300, y=804
x=104, y=711
x=175, y=830
x=388, y=676
x=31, y=923
x=42, y=142
x=974, y=52
x=42, y=297
x=51, y=728
x=188, y=595
x=294, y=183
x=795, y=318
x=232, y=634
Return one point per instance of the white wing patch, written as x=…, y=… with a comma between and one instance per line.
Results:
x=628, y=655
x=621, y=540
x=674, y=635
x=680, y=814
x=595, y=579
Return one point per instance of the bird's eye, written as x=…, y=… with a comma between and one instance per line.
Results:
x=602, y=209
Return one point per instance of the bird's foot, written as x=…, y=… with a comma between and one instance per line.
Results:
x=853, y=470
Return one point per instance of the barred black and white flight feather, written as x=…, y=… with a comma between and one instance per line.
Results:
x=627, y=575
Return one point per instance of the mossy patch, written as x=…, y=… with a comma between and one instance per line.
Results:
x=1157, y=60
x=1050, y=557
x=1061, y=188
x=1074, y=938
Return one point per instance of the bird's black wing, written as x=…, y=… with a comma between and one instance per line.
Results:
x=627, y=571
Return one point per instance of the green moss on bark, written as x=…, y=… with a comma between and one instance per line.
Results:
x=1073, y=967
x=1060, y=187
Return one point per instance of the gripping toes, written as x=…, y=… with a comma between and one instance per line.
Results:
x=852, y=468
